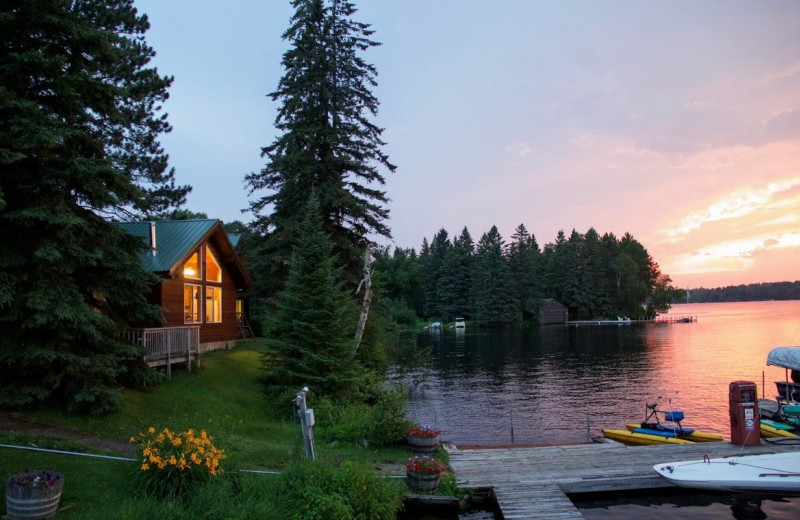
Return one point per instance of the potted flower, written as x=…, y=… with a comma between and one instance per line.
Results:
x=423, y=472
x=423, y=438
x=33, y=494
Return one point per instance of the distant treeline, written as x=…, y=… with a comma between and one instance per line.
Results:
x=498, y=284
x=746, y=293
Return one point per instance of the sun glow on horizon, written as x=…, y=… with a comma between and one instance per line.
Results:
x=732, y=255
x=738, y=204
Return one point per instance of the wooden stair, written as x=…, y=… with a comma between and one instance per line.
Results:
x=243, y=329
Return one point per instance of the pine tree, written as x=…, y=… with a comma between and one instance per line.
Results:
x=311, y=330
x=495, y=304
x=432, y=266
x=327, y=142
x=79, y=141
x=455, y=281
x=523, y=260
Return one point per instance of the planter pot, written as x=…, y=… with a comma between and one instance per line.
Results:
x=422, y=444
x=422, y=481
x=24, y=502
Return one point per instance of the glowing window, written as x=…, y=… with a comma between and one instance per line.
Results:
x=213, y=272
x=191, y=269
x=191, y=303
x=213, y=305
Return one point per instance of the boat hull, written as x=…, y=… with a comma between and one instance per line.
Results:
x=776, y=473
x=641, y=439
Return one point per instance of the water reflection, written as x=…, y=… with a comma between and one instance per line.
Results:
x=546, y=385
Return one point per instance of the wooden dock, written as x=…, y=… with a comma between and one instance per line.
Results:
x=533, y=483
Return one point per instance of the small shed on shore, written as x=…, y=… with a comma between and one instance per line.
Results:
x=553, y=312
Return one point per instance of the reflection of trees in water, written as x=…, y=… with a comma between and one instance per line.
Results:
x=411, y=362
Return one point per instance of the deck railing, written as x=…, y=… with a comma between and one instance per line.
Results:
x=166, y=345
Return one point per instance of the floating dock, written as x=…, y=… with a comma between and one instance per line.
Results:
x=661, y=318
x=533, y=483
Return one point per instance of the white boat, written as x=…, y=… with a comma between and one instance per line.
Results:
x=775, y=473
x=460, y=323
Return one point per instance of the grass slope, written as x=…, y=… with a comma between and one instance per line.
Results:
x=221, y=397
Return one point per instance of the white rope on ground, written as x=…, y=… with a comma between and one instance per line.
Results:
x=127, y=459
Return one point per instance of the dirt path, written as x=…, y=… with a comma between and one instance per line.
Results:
x=21, y=426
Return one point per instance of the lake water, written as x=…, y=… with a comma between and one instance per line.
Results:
x=545, y=386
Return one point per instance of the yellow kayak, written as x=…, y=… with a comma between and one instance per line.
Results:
x=771, y=432
x=641, y=439
x=695, y=436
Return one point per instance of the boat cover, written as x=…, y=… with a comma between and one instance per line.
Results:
x=785, y=357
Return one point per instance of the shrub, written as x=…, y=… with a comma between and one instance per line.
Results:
x=175, y=464
x=350, y=491
x=383, y=422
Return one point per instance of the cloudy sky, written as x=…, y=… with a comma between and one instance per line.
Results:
x=678, y=122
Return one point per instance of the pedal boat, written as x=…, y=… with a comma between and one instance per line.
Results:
x=642, y=438
x=688, y=434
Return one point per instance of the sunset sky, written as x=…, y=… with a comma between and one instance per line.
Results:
x=678, y=122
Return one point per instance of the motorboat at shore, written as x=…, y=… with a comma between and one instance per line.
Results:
x=775, y=473
x=785, y=407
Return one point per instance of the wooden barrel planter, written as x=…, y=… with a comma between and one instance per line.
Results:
x=422, y=444
x=422, y=481
x=31, y=499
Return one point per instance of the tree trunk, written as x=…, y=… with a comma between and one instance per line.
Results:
x=367, y=283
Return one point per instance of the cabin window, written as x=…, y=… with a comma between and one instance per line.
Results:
x=213, y=272
x=191, y=303
x=191, y=269
x=213, y=305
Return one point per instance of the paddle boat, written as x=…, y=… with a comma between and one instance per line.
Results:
x=652, y=431
x=775, y=473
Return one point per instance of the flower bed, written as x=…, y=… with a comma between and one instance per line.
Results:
x=173, y=463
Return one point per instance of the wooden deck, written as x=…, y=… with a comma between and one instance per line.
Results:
x=532, y=483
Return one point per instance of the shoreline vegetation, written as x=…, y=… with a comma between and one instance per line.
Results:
x=232, y=411
x=753, y=292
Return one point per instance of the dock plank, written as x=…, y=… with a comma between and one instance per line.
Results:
x=533, y=482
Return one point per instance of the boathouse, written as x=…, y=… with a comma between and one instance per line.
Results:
x=202, y=278
x=552, y=312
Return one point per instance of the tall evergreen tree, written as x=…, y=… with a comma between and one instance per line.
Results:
x=327, y=142
x=493, y=297
x=79, y=140
x=523, y=260
x=455, y=281
x=311, y=330
x=432, y=270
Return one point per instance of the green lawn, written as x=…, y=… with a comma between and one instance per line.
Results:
x=223, y=398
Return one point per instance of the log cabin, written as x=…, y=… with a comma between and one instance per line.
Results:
x=202, y=278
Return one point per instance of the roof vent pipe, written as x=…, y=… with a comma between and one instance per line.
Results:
x=153, y=238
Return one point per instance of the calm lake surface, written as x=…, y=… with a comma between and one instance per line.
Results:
x=544, y=386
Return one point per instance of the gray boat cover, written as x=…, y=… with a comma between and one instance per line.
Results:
x=786, y=357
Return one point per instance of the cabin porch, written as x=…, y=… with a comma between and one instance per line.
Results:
x=168, y=345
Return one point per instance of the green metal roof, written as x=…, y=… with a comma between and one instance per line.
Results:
x=175, y=239
x=234, y=238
